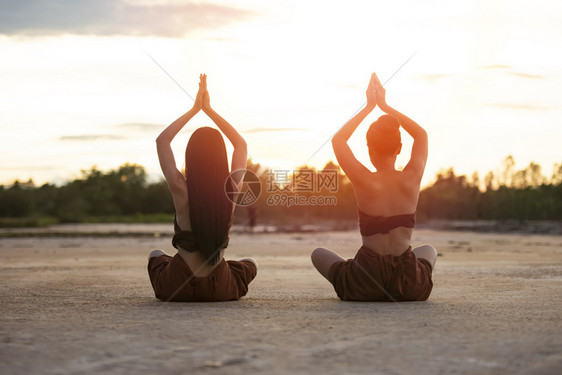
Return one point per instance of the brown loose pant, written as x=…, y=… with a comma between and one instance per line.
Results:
x=374, y=277
x=173, y=280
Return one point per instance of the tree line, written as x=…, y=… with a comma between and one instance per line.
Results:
x=524, y=194
x=119, y=192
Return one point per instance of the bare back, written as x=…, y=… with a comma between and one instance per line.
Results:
x=386, y=199
x=388, y=194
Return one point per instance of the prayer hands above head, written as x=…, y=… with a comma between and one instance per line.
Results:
x=198, y=104
x=371, y=93
x=206, y=99
x=376, y=93
x=379, y=92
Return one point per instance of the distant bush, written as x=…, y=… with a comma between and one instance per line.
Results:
x=124, y=195
x=508, y=195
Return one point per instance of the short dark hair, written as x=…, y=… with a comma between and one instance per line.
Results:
x=383, y=136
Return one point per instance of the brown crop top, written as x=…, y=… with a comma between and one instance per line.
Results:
x=369, y=225
x=184, y=239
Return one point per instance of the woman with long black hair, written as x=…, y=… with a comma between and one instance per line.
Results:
x=199, y=272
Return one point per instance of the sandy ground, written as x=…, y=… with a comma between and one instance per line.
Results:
x=84, y=305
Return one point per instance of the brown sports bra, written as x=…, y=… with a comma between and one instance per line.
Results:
x=369, y=225
x=184, y=239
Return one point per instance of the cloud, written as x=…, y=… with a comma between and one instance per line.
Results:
x=113, y=17
x=264, y=130
x=91, y=137
x=143, y=127
x=512, y=72
x=530, y=107
x=29, y=167
x=527, y=75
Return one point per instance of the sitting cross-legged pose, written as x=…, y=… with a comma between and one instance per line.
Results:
x=385, y=268
x=198, y=272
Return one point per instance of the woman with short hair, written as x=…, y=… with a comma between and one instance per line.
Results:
x=385, y=268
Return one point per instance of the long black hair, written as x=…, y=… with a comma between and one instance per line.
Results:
x=210, y=210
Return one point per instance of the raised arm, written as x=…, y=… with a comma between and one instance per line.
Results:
x=174, y=178
x=240, y=153
x=418, y=158
x=352, y=167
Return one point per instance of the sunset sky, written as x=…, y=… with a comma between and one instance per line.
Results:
x=78, y=86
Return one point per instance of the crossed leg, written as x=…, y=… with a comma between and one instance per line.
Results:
x=427, y=252
x=156, y=253
x=323, y=259
x=251, y=260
